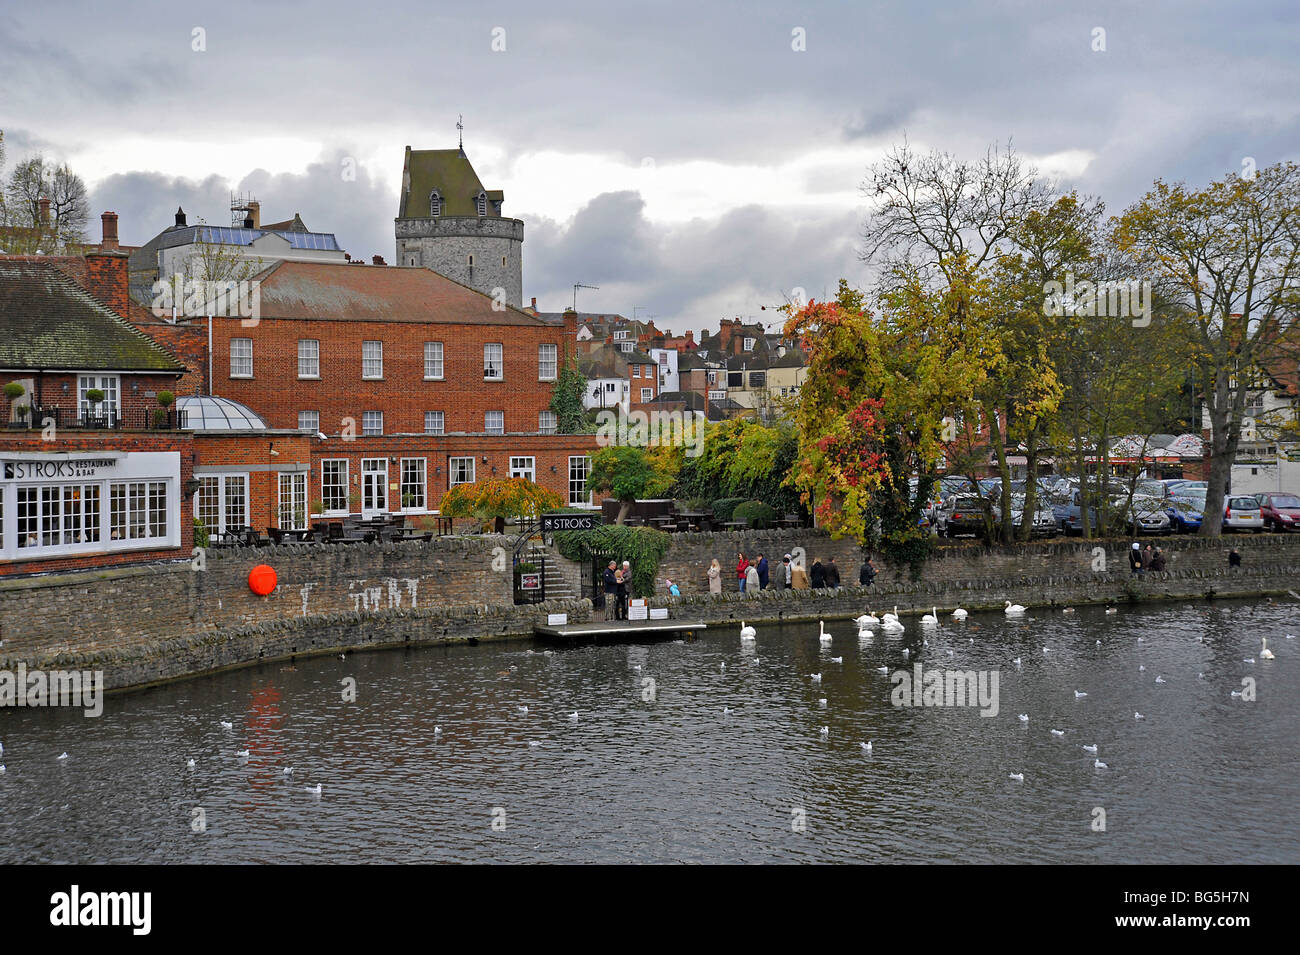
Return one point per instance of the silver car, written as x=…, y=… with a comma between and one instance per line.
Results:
x=1147, y=517
x=1243, y=514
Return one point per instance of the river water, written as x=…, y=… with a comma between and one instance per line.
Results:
x=1204, y=777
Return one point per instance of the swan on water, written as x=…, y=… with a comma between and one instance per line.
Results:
x=1265, y=653
x=868, y=619
x=1011, y=608
x=959, y=614
x=887, y=616
x=747, y=633
x=931, y=619
x=892, y=625
x=822, y=635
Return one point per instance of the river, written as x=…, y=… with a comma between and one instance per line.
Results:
x=667, y=776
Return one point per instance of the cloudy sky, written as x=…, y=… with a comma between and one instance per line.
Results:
x=685, y=157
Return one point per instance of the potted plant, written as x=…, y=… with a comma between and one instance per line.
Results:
x=200, y=533
x=162, y=415
x=408, y=500
x=94, y=398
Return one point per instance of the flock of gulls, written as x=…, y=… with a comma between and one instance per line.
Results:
x=890, y=623
x=867, y=624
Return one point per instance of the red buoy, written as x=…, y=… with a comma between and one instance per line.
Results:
x=261, y=579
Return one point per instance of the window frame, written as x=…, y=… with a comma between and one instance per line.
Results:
x=500, y=367
x=233, y=356
x=440, y=361
x=309, y=358
x=371, y=359
x=553, y=361
x=442, y=426
x=329, y=496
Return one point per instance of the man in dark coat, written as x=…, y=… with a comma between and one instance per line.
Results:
x=832, y=574
x=867, y=575
x=817, y=575
x=611, y=589
x=762, y=572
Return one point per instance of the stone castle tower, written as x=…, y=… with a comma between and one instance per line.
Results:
x=447, y=221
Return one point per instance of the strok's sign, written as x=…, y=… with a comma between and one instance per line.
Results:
x=55, y=470
x=568, y=522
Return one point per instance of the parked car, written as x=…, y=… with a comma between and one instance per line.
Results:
x=1243, y=514
x=1281, y=511
x=1145, y=516
x=964, y=514
x=1185, y=515
x=1044, y=521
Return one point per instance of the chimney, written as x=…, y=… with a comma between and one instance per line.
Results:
x=570, y=330
x=109, y=222
x=45, y=211
x=180, y=217
x=377, y=260
x=106, y=278
x=255, y=213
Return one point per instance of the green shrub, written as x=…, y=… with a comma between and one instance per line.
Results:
x=14, y=390
x=642, y=547
x=200, y=533
x=759, y=514
x=165, y=398
x=725, y=507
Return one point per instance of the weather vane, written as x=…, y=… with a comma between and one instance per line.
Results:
x=460, y=130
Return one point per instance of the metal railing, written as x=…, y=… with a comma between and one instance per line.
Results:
x=110, y=419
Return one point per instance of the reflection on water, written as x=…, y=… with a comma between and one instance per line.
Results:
x=1204, y=777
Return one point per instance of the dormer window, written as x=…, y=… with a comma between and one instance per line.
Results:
x=749, y=344
x=435, y=203
x=481, y=203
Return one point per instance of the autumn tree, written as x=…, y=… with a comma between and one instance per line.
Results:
x=1227, y=257
x=497, y=499
x=628, y=473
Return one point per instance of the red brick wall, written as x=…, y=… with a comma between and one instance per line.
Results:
x=137, y=406
x=278, y=394
x=30, y=441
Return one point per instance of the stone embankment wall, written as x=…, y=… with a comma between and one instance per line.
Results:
x=145, y=624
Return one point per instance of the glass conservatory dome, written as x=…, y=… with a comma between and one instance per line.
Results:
x=210, y=413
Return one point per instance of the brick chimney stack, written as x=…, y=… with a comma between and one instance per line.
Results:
x=106, y=279
x=377, y=260
x=109, y=223
x=44, y=204
x=570, y=331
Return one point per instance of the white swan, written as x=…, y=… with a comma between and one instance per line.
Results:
x=931, y=619
x=868, y=620
x=892, y=625
x=1011, y=609
x=1265, y=653
x=822, y=636
x=959, y=614
x=887, y=616
x=747, y=633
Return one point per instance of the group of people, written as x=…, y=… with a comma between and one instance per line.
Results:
x=1140, y=559
x=617, y=580
x=753, y=576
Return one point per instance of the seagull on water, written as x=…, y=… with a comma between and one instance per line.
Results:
x=837, y=659
x=1160, y=679
x=534, y=743
x=1079, y=694
x=826, y=731
x=524, y=709
x=573, y=717
x=1248, y=660
x=1024, y=717
x=822, y=702
x=1098, y=764
x=190, y=764
x=1141, y=668
x=866, y=747
x=226, y=725
x=816, y=677
x=62, y=756
x=1111, y=610
x=314, y=790
x=1016, y=661
x=2, y=768
x=882, y=669
x=1058, y=732
x=722, y=667
x=241, y=754
x=1018, y=777
x=1068, y=610
x=1091, y=749
x=288, y=771
x=437, y=731
x=727, y=711
x=906, y=653
x=1138, y=716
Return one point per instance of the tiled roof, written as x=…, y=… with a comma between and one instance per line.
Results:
x=450, y=172
x=49, y=321
x=376, y=293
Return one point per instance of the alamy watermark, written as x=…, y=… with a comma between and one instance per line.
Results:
x=23, y=687
x=200, y=298
x=1129, y=299
x=934, y=687
x=652, y=429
